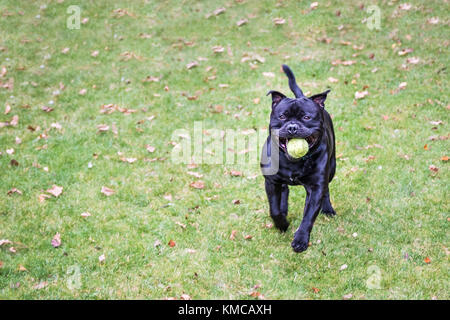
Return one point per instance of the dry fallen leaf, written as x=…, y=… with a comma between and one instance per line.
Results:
x=5, y=241
x=40, y=285
x=235, y=173
x=233, y=234
x=42, y=197
x=56, y=241
x=279, y=21
x=199, y=184
x=55, y=190
x=347, y=296
x=219, y=11
x=107, y=191
x=172, y=243
x=405, y=51
x=195, y=174
x=361, y=95
x=14, y=190
x=192, y=65
x=427, y=260
x=149, y=148
x=433, y=168
x=242, y=22
x=333, y=80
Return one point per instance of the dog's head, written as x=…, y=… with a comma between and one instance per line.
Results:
x=301, y=117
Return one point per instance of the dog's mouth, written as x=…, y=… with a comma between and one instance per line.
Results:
x=310, y=139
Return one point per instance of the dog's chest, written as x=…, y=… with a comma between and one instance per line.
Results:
x=293, y=173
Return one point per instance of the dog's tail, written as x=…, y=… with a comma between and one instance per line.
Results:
x=292, y=83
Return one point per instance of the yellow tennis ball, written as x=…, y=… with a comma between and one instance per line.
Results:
x=297, y=148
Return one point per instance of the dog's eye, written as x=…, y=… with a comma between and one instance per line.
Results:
x=306, y=118
x=282, y=117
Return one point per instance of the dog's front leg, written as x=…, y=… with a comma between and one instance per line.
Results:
x=277, y=195
x=314, y=195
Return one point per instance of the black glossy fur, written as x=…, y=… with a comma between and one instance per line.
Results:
x=302, y=117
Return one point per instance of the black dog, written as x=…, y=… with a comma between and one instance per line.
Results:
x=304, y=118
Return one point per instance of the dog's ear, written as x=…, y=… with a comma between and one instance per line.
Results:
x=320, y=98
x=276, y=97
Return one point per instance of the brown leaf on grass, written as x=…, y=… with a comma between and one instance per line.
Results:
x=118, y=13
x=279, y=21
x=344, y=63
x=242, y=22
x=218, y=49
x=405, y=51
x=235, y=173
x=42, y=197
x=150, y=148
x=236, y=201
x=433, y=20
x=56, y=241
x=315, y=290
x=182, y=225
x=248, y=237
x=102, y=128
x=14, y=190
x=427, y=260
x=199, y=184
x=128, y=55
x=151, y=79
x=195, y=174
x=47, y=109
x=172, y=243
x=85, y=214
x=444, y=158
x=55, y=190
x=361, y=95
x=192, y=64
x=5, y=241
x=412, y=60
x=108, y=108
x=333, y=80
x=7, y=109
x=219, y=11
x=347, y=296
x=433, y=168
x=233, y=234
x=3, y=71
x=129, y=160
x=40, y=285
x=107, y=191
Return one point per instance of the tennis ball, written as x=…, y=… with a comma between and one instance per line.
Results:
x=297, y=148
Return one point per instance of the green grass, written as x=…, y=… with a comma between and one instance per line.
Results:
x=398, y=207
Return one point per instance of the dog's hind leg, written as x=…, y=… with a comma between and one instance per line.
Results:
x=326, y=206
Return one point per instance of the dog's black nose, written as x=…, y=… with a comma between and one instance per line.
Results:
x=292, y=129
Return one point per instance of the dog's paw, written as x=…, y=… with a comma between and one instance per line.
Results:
x=329, y=212
x=281, y=223
x=300, y=242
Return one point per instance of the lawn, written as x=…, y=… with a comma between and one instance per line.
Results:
x=99, y=108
